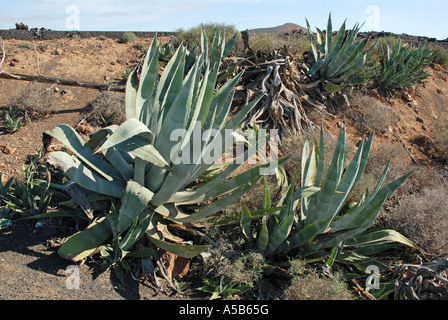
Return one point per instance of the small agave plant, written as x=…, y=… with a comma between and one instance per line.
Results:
x=336, y=60
x=314, y=219
x=138, y=167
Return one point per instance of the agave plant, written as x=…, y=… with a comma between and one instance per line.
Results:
x=336, y=61
x=314, y=219
x=142, y=170
x=12, y=123
x=402, y=65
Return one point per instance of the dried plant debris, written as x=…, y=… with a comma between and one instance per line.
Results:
x=427, y=281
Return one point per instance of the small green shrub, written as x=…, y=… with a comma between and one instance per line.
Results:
x=192, y=37
x=128, y=36
x=25, y=45
x=440, y=54
x=314, y=287
x=246, y=269
x=293, y=44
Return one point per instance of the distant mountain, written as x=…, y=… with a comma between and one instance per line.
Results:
x=287, y=27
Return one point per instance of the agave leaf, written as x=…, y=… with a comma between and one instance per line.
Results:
x=304, y=235
x=184, y=173
x=133, y=137
x=263, y=236
x=364, y=215
x=74, y=142
x=218, y=187
x=283, y=227
x=331, y=181
x=170, y=85
x=347, y=183
x=177, y=115
x=266, y=195
x=82, y=244
x=378, y=240
x=131, y=95
x=146, y=91
x=83, y=176
x=185, y=251
x=219, y=204
x=135, y=234
x=127, y=130
x=135, y=199
x=245, y=223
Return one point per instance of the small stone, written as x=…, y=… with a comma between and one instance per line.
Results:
x=407, y=97
x=59, y=51
x=7, y=149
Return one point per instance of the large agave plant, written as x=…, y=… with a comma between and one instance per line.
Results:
x=402, y=65
x=336, y=60
x=143, y=170
x=315, y=218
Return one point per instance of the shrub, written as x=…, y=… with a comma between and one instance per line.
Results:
x=128, y=36
x=311, y=286
x=440, y=54
x=192, y=37
x=245, y=269
x=36, y=101
x=25, y=45
x=107, y=108
x=423, y=218
x=370, y=115
x=440, y=138
x=293, y=44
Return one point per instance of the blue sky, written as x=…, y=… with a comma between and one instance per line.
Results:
x=423, y=18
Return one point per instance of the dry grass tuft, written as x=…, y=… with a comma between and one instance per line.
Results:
x=36, y=100
x=308, y=285
x=423, y=218
x=107, y=108
x=369, y=115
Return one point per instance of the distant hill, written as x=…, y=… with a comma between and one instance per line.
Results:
x=287, y=27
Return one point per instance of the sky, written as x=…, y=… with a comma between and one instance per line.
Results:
x=421, y=18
